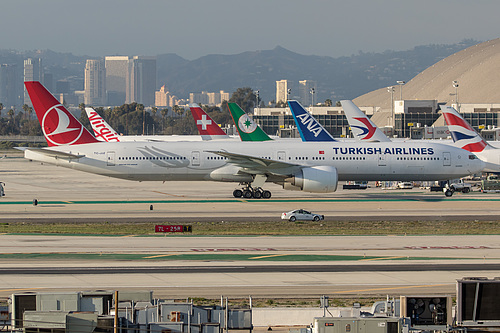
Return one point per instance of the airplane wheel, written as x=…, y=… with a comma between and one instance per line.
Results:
x=257, y=194
x=237, y=193
x=266, y=194
x=247, y=194
x=448, y=193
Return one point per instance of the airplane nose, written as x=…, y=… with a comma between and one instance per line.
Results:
x=478, y=166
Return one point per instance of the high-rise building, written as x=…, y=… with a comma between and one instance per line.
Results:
x=95, y=82
x=305, y=95
x=141, y=80
x=33, y=71
x=162, y=97
x=116, y=79
x=199, y=98
x=9, y=92
x=282, y=87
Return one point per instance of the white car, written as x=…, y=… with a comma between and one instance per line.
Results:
x=301, y=215
x=405, y=185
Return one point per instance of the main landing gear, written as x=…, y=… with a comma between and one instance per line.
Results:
x=248, y=192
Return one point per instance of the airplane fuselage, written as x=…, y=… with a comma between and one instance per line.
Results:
x=194, y=161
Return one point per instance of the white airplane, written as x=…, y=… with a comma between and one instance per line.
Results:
x=311, y=166
x=207, y=128
x=467, y=138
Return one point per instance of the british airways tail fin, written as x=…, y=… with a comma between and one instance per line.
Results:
x=102, y=130
x=462, y=132
x=361, y=126
x=309, y=128
x=207, y=128
x=248, y=129
x=59, y=126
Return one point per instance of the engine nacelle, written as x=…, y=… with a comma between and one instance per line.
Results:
x=319, y=179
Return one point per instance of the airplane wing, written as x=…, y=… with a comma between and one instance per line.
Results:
x=259, y=165
x=52, y=153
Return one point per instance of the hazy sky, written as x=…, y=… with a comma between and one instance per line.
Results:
x=194, y=28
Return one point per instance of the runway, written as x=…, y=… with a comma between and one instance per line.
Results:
x=182, y=266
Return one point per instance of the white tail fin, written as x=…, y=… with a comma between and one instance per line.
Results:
x=102, y=130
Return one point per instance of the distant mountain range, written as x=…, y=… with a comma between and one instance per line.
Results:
x=336, y=78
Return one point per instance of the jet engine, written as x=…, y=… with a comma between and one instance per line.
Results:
x=319, y=179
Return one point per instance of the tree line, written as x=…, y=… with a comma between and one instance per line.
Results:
x=131, y=119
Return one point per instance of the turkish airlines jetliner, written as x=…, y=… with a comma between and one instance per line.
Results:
x=207, y=128
x=467, y=138
x=311, y=166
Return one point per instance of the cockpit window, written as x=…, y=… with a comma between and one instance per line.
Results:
x=472, y=157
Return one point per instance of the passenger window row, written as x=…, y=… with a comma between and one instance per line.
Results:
x=142, y=158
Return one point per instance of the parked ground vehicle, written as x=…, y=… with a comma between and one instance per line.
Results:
x=405, y=185
x=355, y=186
x=301, y=215
x=460, y=186
x=491, y=184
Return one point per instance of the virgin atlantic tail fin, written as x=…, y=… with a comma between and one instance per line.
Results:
x=102, y=130
x=59, y=126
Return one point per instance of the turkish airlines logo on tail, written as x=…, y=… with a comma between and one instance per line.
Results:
x=59, y=127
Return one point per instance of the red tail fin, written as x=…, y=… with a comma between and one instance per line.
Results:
x=206, y=126
x=59, y=126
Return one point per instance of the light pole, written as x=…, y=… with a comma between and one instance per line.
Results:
x=257, y=97
x=391, y=90
x=312, y=91
x=400, y=89
x=455, y=85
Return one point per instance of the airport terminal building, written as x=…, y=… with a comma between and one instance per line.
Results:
x=416, y=119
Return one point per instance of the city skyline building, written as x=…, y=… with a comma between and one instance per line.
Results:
x=141, y=80
x=305, y=88
x=163, y=98
x=282, y=87
x=33, y=71
x=95, y=83
x=10, y=95
x=116, y=79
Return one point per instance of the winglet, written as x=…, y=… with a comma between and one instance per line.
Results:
x=102, y=130
x=309, y=128
x=207, y=127
x=461, y=132
x=59, y=126
x=248, y=129
x=361, y=126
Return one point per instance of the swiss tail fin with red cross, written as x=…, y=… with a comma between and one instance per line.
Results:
x=207, y=127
